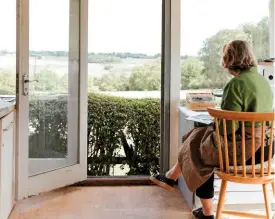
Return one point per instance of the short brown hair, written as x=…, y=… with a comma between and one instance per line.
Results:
x=238, y=55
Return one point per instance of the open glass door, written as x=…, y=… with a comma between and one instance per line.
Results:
x=52, y=106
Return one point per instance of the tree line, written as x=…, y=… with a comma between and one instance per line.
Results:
x=96, y=57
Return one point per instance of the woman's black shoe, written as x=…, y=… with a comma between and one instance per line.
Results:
x=198, y=213
x=164, y=182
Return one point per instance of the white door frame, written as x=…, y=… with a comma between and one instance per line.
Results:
x=170, y=95
x=33, y=185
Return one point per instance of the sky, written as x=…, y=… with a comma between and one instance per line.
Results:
x=127, y=25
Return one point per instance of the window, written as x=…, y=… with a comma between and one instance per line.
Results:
x=206, y=27
x=124, y=73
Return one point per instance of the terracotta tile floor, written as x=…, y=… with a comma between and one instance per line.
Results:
x=136, y=202
x=130, y=202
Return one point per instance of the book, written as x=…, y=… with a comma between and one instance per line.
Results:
x=199, y=101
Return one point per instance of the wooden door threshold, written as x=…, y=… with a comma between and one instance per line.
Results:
x=115, y=181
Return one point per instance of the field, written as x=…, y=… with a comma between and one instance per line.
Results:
x=60, y=65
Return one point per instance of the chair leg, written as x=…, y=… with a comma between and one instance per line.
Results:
x=221, y=199
x=267, y=201
x=273, y=187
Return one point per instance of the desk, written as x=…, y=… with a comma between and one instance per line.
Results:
x=237, y=197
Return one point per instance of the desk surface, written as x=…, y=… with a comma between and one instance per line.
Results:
x=200, y=117
x=6, y=108
x=188, y=112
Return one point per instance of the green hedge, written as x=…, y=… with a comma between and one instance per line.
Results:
x=132, y=125
x=48, y=127
x=114, y=124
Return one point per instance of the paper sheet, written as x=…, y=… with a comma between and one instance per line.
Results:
x=201, y=118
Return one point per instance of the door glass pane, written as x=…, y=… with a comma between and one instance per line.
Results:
x=7, y=50
x=124, y=87
x=54, y=83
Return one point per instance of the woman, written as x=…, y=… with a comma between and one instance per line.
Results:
x=248, y=91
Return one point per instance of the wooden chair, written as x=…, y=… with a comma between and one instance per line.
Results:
x=262, y=174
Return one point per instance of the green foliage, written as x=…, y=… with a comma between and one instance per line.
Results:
x=126, y=55
x=211, y=53
x=191, y=74
x=146, y=77
x=111, y=82
x=7, y=82
x=48, y=126
x=143, y=129
x=132, y=125
x=49, y=81
x=93, y=57
x=91, y=85
x=259, y=35
x=63, y=82
x=129, y=125
x=49, y=53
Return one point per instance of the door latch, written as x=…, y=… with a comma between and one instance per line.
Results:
x=26, y=82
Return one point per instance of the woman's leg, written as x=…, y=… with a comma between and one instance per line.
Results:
x=258, y=154
x=169, y=179
x=174, y=172
x=206, y=194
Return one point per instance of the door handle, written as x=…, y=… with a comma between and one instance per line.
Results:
x=26, y=82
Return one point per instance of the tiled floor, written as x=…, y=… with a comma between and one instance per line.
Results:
x=131, y=202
